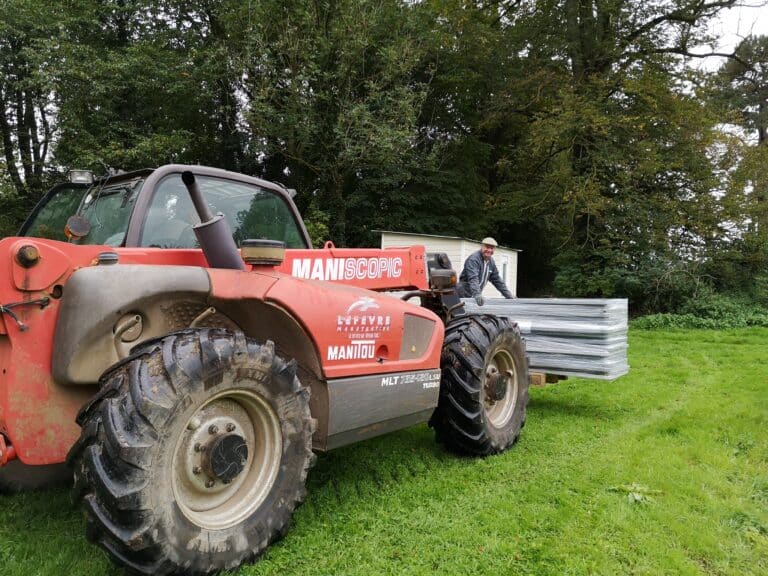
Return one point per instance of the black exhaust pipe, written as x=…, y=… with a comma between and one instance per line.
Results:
x=213, y=232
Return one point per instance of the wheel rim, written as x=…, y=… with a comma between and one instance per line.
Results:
x=501, y=364
x=204, y=497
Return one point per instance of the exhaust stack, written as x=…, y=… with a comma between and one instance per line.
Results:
x=213, y=232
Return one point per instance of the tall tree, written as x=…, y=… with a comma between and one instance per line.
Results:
x=623, y=186
x=741, y=92
x=744, y=85
x=334, y=100
x=26, y=110
x=144, y=82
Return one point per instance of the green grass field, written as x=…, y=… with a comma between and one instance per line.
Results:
x=664, y=471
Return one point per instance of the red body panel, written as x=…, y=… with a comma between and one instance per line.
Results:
x=52, y=266
x=36, y=414
x=355, y=331
x=385, y=269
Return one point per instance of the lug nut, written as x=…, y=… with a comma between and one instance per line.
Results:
x=230, y=427
x=196, y=470
x=209, y=483
x=199, y=447
x=213, y=429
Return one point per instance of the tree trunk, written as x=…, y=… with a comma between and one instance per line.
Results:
x=230, y=139
x=337, y=210
x=8, y=147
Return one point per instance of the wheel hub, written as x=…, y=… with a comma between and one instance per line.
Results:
x=500, y=388
x=225, y=456
x=495, y=385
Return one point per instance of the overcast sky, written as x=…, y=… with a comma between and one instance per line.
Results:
x=732, y=27
x=737, y=23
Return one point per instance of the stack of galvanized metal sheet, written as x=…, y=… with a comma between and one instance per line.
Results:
x=579, y=337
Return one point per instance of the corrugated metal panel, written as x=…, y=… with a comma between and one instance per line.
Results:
x=586, y=338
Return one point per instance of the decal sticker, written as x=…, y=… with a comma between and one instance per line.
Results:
x=430, y=379
x=360, y=323
x=363, y=327
x=347, y=268
x=363, y=304
x=390, y=381
x=356, y=350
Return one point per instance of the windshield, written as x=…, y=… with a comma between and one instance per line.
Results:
x=251, y=211
x=108, y=208
x=50, y=216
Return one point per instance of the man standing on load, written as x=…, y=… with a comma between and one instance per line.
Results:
x=479, y=268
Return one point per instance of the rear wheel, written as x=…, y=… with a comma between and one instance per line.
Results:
x=195, y=455
x=484, y=387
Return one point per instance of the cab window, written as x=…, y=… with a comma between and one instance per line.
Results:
x=51, y=216
x=251, y=211
x=108, y=208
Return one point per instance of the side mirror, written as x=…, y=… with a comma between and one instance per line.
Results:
x=77, y=227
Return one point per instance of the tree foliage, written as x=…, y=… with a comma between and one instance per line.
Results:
x=26, y=115
x=572, y=129
x=740, y=90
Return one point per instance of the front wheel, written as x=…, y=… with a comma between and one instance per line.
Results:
x=194, y=455
x=484, y=387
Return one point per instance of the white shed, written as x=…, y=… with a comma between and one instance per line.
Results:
x=458, y=249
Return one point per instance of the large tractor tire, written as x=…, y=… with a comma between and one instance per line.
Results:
x=484, y=386
x=194, y=454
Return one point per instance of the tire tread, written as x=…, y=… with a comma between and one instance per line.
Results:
x=121, y=428
x=460, y=420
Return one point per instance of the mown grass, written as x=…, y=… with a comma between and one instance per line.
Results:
x=664, y=471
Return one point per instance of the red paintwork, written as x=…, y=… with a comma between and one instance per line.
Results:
x=7, y=453
x=53, y=264
x=322, y=309
x=37, y=415
x=373, y=269
x=334, y=317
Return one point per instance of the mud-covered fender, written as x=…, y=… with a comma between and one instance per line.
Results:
x=94, y=301
x=370, y=359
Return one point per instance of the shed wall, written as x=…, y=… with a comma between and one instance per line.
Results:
x=458, y=250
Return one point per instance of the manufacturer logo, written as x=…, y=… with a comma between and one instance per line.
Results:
x=356, y=350
x=363, y=304
x=347, y=268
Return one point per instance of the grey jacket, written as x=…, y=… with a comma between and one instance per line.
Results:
x=472, y=282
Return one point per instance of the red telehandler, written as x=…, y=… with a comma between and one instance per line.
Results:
x=171, y=335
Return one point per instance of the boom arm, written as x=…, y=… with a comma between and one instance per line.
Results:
x=373, y=269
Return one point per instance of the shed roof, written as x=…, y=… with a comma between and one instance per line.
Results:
x=440, y=236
